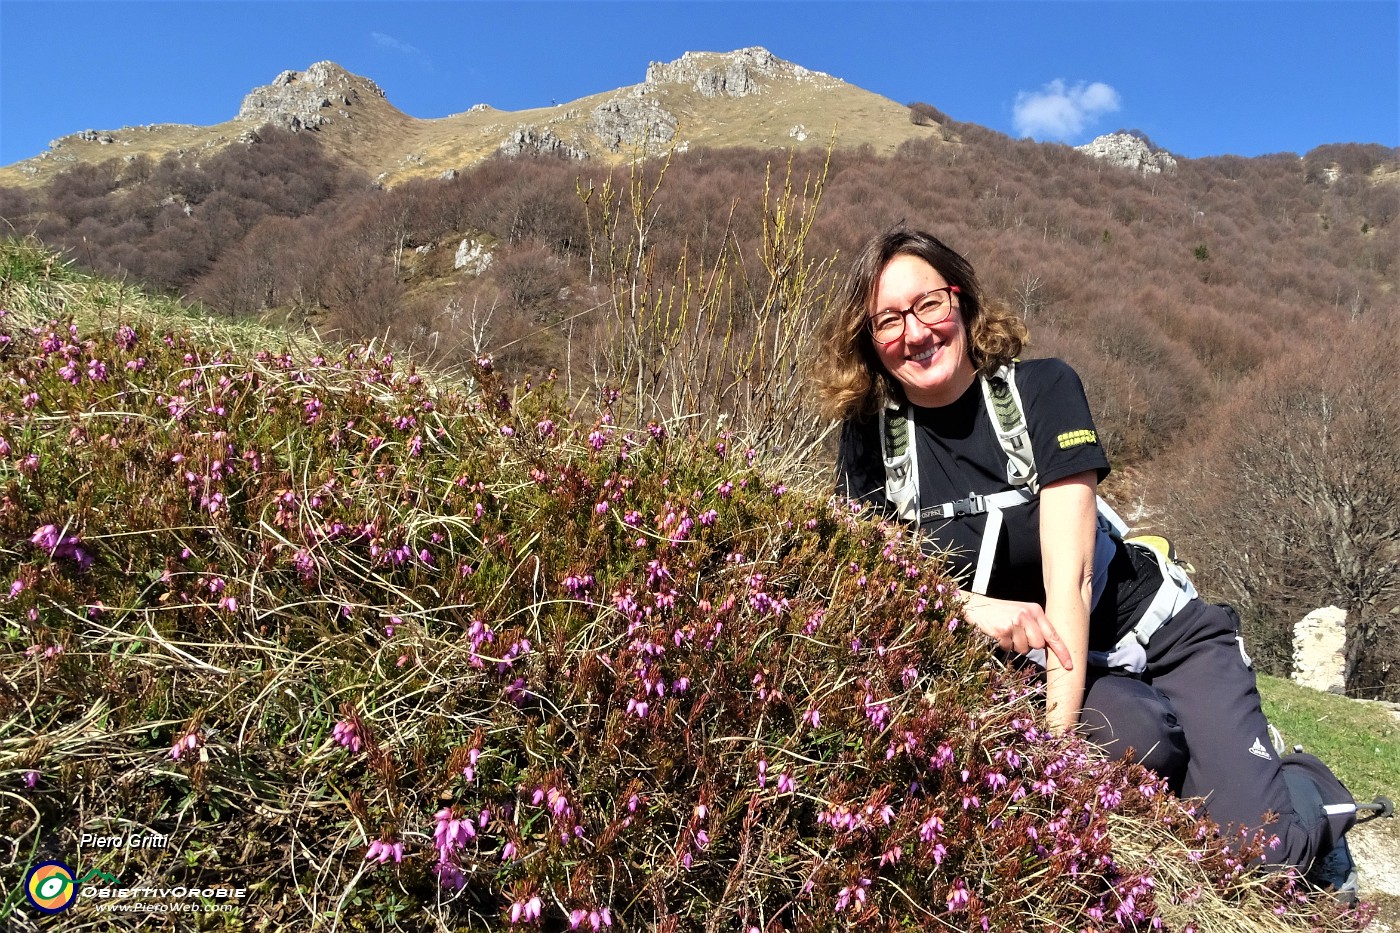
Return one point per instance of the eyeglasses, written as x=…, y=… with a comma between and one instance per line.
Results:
x=932, y=307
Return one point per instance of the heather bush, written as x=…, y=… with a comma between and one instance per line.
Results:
x=409, y=651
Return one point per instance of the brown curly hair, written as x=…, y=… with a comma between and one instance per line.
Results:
x=845, y=372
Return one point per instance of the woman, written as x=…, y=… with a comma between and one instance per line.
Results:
x=921, y=372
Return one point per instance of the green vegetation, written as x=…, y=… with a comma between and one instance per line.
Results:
x=1360, y=743
x=420, y=651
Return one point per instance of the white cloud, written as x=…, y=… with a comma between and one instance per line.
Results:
x=1060, y=111
x=398, y=45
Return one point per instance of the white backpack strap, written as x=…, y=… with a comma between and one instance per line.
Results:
x=901, y=457
x=987, y=553
x=1009, y=422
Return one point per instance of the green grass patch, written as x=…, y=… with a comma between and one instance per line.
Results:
x=1359, y=741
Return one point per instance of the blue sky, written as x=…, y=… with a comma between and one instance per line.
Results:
x=1201, y=78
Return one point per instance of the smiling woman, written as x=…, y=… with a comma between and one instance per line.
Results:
x=995, y=462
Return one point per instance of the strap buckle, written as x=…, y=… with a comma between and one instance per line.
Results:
x=972, y=505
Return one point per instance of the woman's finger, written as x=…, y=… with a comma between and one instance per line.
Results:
x=1057, y=646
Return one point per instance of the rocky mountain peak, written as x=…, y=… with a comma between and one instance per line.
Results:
x=298, y=100
x=729, y=74
x=1128, y=151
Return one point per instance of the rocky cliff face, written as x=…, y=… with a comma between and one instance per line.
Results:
x=633, y=121
x=728, y=74
x=1128, y=151
x=298, y=100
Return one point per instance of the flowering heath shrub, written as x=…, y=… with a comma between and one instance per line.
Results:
x=441, y=653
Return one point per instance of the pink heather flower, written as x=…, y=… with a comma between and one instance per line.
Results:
x=186, y=743
x=46, y=537
x=508, y=851
x=348, y=735
x=16, y=588
x=597, y=919
x=762, y=773
x=958, y=897
x=31, y=778
x=451, y=833
x=382, y=852
x=526, y=911
x=812, y=718
x=786, y=783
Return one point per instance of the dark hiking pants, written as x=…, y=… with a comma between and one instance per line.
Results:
x=1194, y=717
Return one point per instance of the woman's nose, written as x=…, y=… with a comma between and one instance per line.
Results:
x=915, y=329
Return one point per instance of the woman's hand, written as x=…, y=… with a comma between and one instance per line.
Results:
x=1016, y=626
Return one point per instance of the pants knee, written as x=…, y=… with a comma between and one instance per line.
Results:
x=1123, y=715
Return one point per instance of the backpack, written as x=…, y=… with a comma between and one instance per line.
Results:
x=1004, y=408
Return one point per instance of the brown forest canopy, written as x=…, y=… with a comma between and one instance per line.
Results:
x=1193, y=302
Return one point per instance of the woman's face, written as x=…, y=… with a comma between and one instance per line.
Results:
x=931, y=363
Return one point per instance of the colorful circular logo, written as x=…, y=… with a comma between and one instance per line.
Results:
x=50, y=887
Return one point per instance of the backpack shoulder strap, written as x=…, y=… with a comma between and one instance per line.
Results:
x=901, y=457
x=1009, y=422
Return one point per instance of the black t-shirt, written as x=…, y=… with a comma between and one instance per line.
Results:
x=958, y=453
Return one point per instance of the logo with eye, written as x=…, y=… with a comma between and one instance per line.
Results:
x=50, y=887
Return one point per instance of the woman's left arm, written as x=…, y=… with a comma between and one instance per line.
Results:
x=1068, y=526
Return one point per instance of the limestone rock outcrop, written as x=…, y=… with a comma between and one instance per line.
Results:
x=473, y=257
x=533, y=139
x=1128, y=151
x=728, y=74
x=632, y=121
x=1319, y=650
x=305, y=100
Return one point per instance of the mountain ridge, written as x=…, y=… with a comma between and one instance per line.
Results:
x=744, y=97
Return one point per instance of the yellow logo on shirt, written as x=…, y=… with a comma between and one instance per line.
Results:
x=1077, y=438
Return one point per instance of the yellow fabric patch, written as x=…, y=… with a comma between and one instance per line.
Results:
x=1077, y=438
